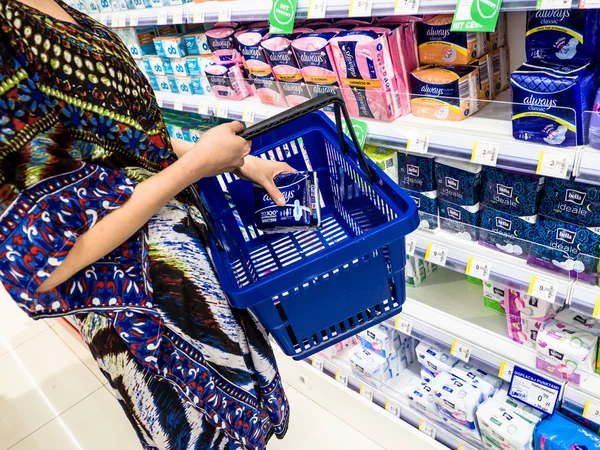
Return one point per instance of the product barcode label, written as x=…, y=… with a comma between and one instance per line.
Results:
x=367, y=391
x=403, y=324
x=411, y=245
x=177, y=16
x=418, y=143
x=479, y=268
x=341, y=377
x=553, y=164
x=436, y=254
x=248, y=115
x=178, y=104
x=318, y=363
x=199, y=14
x=461, y=350
x=360, y=8
x=427, y=429
x=543, y=289
x=592, y=410
x=393, y=408
x=553, y=4
x=406, y=7
x=162, y=17
x=225, y=12
x=317, y=9
x=486, y=153
x=506, y=371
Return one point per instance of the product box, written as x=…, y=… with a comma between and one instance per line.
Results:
x=457, y=399
x=573, y=202
x=163, y=83
x=486, y=77
x=416, y=172
x=370, y=366
x=502, y=429
x=139, y=41
x=498, y=38
x=460, y=220
x=501, y=69
x=477, y=377
x=179, y=67
x=380, y=339
x=197, y=64
x=196, y=44
x=385, y=158
x=514, y=193
x=524, y=411
x=458, y=182
x=506, y=233
x=427, y=204
x=525, y=316
x=414, y=271
x=420, y=397
x=493, y=297
x=170, y=46
x=433, y=360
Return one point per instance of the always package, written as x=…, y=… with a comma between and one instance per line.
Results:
x=557, y=432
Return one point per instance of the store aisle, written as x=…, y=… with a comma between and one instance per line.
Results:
x=52, y=397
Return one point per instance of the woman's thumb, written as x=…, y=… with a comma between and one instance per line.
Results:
x=274, y=192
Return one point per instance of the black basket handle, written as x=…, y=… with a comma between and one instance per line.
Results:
x=306, y=108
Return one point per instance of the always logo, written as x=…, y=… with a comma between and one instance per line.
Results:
x=566, y=236
x=438, y=33
x=574, y=196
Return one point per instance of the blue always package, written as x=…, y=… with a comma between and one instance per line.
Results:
x=557, y=432
x=562, y=34
x=505, y=232
x=459, y=219
x=511, y=192
x=458, y=182
x=427, y=203
x=303, y=209
x=566, y=248
x=416, y=173
x=549, y=102
x=572, y=202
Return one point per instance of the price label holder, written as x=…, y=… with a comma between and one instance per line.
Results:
x=318, y=363
x=317, y=9
x=436, y=254
x=134, y=19
x=225, y=12
x=427, y=429
x=506, y=371
x=162, y=17
x=393, y=408
x=119, y=20
x=596, y=313
x=403, y=324
x=223, y=111
x=360, y=8
x=411, y=245
x=367, y=391
x=461, y=350
x=479, y=268
x=539, y=392
x=589, y=4
x=486, y=153
x=177, y=16
x=406, y=7
x=592, y=410
x=418, y=144
x=543, y=289
x=341, y=377
x=553, y=4
x=103, y=19
x=199, y=14
x=248, y=114
x=203, y=109
x=178, y=104
x=553, y=164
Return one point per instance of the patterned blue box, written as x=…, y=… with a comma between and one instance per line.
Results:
x=458, y=182
x=153, y=79
x=416, y=172
x=173, y=85
x=196, y=86
x=167, y=66
x=572, y=202
x=427, y=202
x=460, y=220
x=511, y=192
x=507, y=233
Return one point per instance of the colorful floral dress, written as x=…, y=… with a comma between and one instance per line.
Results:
x=79, y=128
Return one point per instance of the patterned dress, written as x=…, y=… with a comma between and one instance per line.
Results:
x=79, y=128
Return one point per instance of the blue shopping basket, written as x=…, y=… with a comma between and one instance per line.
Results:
x=313, y=288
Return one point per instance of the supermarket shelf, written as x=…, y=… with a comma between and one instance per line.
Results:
x=258, y=10
x=505, y=269
x=588, y=170
x=447, y=139
x=585, y=298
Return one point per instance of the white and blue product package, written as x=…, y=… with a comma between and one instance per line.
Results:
x=420, y=397
x=434, y=361
x=302, y=209
x=501, y=428
x=457, y=399
x=380, y=339
x=557, y=432
x=550, y=100
x=477, y=377
x=566, y=248
x=370, y=366
x=460, y=220
x=572, y=202
x=506, y=233
x=511, y=192
x=562, y=34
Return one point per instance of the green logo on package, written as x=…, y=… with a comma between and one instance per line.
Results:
x=283, y=13
x=360, y=129
x=476, y=15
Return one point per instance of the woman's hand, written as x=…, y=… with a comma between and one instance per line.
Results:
x=262, y=171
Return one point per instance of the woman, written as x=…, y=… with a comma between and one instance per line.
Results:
x=95, y=221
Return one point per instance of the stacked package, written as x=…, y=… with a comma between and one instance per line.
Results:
x=526, y=316
x=417, y=176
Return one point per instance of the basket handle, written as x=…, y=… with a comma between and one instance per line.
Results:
x=306, y=108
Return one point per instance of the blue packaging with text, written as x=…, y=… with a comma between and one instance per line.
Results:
x=572, y=202
x=416, y=172
x=458, y=182
x=460, y=220
x=511, y=192
x=505, y=232
x=427, y=203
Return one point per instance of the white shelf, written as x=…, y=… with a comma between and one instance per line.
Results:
x=454, y=140
x=588, y=170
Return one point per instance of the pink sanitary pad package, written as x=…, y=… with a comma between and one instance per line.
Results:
x=367, y=76
x=222, y=45
x=525, y=316
x=227, y=81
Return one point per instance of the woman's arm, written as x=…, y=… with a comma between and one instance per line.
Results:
x=219, y=150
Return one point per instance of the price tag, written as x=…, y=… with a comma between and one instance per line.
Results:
x=162, y=17
x=479, y=268
x=403, y=324
x=427, y=429
x=543, y=289
x=592, y=410
x=461, y=350
x=119, y=20
x=536, y=391
x=406, y=7
x=177, y=16
x=317, y=9
x=553, y=4
x=103, y=19
x=393, y=408
x=486, y=153
x=436, y=254
x=596, y=313
x=203, y=109
x=506, y=371
x=225, y=12
x=360, y=8
x=341, y=377
x=553, y=164
x=318, y=363
x=199, y=14
x=366, y=391
x=411, y=245
x=223, y=111
x=248, y=114
x=178, y=104
x=418, y=144
x=589, y=4
x=159, y=100
x=134, y=19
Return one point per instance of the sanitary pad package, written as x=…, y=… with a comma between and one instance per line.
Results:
x=549, y=102
x=497, y=38
x=433, y=361
x=222, y=45
x=439, y=45
x=525, y=316
x=139, y=41
x=511, y=192
x=385, y=158
x=170, y=46
x=502, y=429
x=493, y=297
x=445, y=93
x=486, y=77
x=420, y=397
x=416, y=172
x=477, y=377
x=457, y=399
x=427, y=203
x=414, y=271
x=315, y=59
x=565, y=351
x=458, y=182
x=500, y=70
x=572, y=202
x=524, y=411
x=380, y=339
x=562, y=34
x=196, y=43
x=227, y=81
x=370, y=366
x=579, y=321
x=301, y=192
x=566, y=248
x=505, y=232
x=459, y=219
x=558, y=432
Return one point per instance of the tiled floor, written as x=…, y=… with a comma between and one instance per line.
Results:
x=52, y=397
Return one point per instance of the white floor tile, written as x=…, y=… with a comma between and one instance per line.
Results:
x=16, y=327
x=38, y=381
x=96, y=423
x=73, y=340
x=314, y=428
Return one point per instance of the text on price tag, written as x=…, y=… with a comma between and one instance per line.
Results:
x=479, y=268
x=317, y=9
x=360, y=8
x=248, y=114
x=318, y=363
x=406, y=7
x=543, y=289
x=418, y=143
x=592, y=410
x=534, y=390
x=341, y=377
x=162, y=17
x=506, y=371
x=225, y=12
x=461, y=350
x=486, y=153
x=177, y=16
x=553, y=164
x=223, y=111
x=436, y=254
x=403, y=324
x=367, y=391
x=589, y=4
x=199, y=14
x=178, y=104
x=411, y=245
x=160, y=100
x=427, y=429
x=393, y=408
x=553, y=4
x=103, y=19
x=134, y=19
